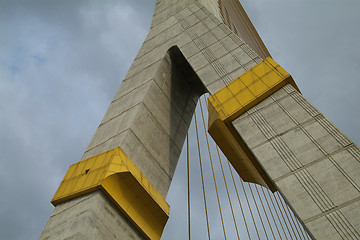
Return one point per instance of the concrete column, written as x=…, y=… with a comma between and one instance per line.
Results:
x=91, y=216
x=312, y=164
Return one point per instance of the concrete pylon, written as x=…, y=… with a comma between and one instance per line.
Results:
x=269, y=132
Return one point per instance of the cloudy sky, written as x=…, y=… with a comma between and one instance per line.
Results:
x=61, y=63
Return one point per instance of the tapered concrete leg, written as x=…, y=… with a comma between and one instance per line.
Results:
x=88, y=217
x=313, y=164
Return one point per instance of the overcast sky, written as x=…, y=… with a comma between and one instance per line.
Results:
x=61, y=63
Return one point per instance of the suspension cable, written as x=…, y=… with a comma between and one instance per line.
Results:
x=282, y=215
x=237, y=194
x=212, y=168
x=287, y=216
x=262, y=204
x=292, y=222
x=251, y=213
x=188, y=181
x=202, y=177
x=303, y=233
x=278, y=217
x=226, y=186
x=296, y=222
x=262, y=223
x=227, y=190
x=272, y=215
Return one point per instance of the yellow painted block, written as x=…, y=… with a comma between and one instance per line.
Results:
x=79, y=183
x=245, y=97
x=248, y=78
x=231, y=106
x=224, y=94
x=271, y=62
x=61, y=189
x=115, y=167
x=97, y=163
x=283, y=72
x=258, y=88
x=70, y=173
x=236, y=86
x=88, y=165
x=272, y=79
x=79, y=168
x=99, y=175
x=122, y=181
x=137, y=202
x=92, y=179
x=262, y=69
x=247, y=90
x=68, y=189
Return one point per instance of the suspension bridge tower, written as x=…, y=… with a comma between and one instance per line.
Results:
x=268, y=131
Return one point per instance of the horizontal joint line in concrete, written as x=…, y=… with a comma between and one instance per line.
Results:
x=252, y=112
x=354, y=151
x=129, y=129
x=325, y=157
x=150, y=153
x=129, y=92
x=318, y=145
x=333, y=131
x=158, y=123
x=138, y=72
x=155, y=46
x=170, y=101
x=302, y=102
x=152, y=29
x=157, y=12
x=106, y=140
x=219, y=69
x=82, y=200
x=301, y=127
x=321, y=119
x=103, y=123
x=314, y=190
x=334, y=209
x=162, y=128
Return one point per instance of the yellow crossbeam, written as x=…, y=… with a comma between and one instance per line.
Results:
x=233, y=100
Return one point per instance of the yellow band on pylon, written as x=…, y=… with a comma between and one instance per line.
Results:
x=115, y=174
x=234, y=99
x=249, y=89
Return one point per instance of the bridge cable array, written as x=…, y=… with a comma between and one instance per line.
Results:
x=263, y=215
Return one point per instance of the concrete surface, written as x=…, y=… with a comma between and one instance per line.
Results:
x=313, y=164
x=188, y=52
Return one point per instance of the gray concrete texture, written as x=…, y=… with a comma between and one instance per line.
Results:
x=313, y=164
x=188, y=52
x=89, y=217
x=152, y=110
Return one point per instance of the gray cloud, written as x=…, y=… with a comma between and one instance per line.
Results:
x=61, y=62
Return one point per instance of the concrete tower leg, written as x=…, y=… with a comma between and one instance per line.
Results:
x=313, y=164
